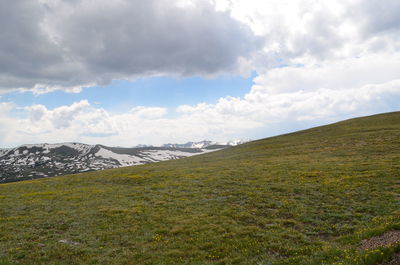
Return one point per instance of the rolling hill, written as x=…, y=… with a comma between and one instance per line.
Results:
x=318, y=196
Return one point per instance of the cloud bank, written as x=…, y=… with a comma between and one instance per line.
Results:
x=47, y=45
x=59, y=44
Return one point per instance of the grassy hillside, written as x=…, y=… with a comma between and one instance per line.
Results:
x=308, y=197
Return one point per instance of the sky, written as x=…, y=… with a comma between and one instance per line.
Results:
x=129, y=72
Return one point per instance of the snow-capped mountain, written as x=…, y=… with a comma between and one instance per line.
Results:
x=236, y=142
x=205, y=143
x=202, y=144
x=47, y=160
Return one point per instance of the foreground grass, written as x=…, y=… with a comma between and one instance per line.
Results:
x=304, y=198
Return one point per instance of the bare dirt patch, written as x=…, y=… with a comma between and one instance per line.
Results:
x=388, y=238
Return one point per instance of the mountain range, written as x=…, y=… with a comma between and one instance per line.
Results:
x=46, y=160
x=205, y=144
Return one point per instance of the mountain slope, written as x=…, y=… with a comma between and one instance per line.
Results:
x=308, y=197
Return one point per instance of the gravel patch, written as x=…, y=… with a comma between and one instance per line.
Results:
x=388, y=238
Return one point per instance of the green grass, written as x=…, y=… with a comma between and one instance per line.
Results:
x=308, y=197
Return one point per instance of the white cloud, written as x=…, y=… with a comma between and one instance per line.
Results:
x=63, y=116
x=148, y=112
x=308, y=32
x=37, y=112
x=336, y=74
x=60, y=117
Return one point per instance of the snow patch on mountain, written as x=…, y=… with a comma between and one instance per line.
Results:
x=236, y=142
x=123, y=159
x=162, y=155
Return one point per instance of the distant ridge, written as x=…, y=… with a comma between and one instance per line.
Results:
x=205, y=143
x=32, y=161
